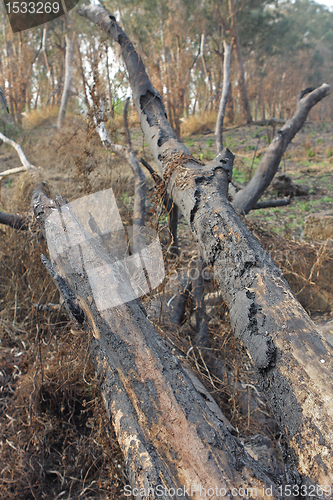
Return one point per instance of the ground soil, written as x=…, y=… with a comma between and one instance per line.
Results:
x=55, y=440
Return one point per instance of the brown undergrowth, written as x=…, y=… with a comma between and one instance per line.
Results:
x=55, y=438
x=307, y=266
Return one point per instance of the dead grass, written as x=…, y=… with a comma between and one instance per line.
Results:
x=55, y=438
x=307, y=266
x=199, y=124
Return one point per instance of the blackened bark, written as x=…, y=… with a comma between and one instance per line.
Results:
x=15, y=221
x=169, y=435
x=293, y=361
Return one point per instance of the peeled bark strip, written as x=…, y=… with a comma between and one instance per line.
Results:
x=246, y=198
x=169, y=436
x=294, y=362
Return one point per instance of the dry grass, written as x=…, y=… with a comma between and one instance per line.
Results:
x=55, y=438
x=199, y=124
x=307, y=266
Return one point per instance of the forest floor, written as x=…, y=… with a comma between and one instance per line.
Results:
x=55, y=439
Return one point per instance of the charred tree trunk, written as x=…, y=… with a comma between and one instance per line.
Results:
x=293, y=361
x=170, y=436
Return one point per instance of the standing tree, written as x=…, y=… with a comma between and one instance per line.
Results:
x=67, y=82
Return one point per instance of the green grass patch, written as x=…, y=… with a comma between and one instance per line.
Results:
x=304, y=206
x=239, y=176
x=189, y=143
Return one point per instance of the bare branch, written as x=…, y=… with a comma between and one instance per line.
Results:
x=280, y=202
x=26, y=164
x=246, y=198
x=15, y=221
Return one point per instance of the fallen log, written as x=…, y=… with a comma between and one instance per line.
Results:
x=175, y=441
x=293, y=361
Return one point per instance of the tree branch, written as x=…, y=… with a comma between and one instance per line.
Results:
x=246, y=198
x=26, y=164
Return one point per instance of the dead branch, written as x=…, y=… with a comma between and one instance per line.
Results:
x=15, y=221
x=26, y=165
x=247, y=197
x=280, y=202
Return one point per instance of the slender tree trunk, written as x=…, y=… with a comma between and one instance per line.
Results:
x=84, y=82
x=111, y=110
x=67, y=82
x=224, y=97
x=241, y=81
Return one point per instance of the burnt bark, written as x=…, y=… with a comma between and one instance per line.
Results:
x=16, y=221
x=170, y=436
x=293, y=361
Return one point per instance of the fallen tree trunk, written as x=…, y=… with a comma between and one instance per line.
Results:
x=293, y=361
x=173, y=439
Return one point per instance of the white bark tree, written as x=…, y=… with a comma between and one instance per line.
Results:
x=67, y=82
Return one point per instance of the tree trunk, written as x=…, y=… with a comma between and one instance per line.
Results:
x=170, y=436
x=293, y=361
x=67, y=82
x=224, y=97
x=241, y=80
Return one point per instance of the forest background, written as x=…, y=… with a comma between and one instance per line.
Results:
x=283, y=47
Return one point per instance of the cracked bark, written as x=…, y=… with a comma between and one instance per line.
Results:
x=293, y=361
x=171, y=433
